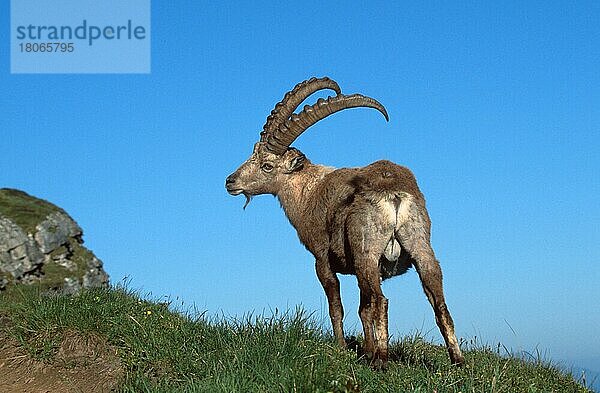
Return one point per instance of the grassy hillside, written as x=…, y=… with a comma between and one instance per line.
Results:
x=142, y=346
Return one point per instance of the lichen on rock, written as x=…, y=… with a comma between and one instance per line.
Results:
x=41, y=243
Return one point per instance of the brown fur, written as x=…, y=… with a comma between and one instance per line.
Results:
x=370, y=222
x=354, y=220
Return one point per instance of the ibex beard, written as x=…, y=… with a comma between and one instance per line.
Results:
x=370, y=222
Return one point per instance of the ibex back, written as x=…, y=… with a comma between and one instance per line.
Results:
x=370, y=221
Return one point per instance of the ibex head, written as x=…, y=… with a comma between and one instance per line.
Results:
x=273, y=160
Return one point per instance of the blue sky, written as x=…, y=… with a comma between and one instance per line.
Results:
x=493, y=106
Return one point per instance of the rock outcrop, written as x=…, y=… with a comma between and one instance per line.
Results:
x=41, y=243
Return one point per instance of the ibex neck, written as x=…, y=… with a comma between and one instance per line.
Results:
x=296, y=195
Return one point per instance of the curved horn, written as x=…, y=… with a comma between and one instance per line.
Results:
x=284, y=109
x=288, y=131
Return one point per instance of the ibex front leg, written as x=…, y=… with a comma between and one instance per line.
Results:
x=331, y=285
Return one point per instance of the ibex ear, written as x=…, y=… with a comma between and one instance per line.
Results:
x=295, y=161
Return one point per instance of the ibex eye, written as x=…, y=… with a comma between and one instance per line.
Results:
x=267, y=167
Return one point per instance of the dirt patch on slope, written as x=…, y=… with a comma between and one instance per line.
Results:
x=82, y=364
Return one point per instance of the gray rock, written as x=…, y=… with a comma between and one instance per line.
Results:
x=95, y=276
x=55, y=230
x=52, y=255
x=19, y=253
x=71, y=286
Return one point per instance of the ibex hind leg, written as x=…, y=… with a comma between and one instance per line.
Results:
x=431, y=280
x=413, y=235
x=368, y=234
x=373, y=313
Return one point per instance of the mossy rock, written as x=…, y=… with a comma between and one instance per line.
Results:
x=41, y=244
x=24, y=210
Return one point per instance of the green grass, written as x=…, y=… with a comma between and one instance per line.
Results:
x=166, y=351
x=24, y=210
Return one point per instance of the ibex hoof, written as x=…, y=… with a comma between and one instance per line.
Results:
x=458, y=361
x=379, y=365
x=374, y=361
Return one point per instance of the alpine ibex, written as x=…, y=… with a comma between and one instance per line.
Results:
x=370, y=221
